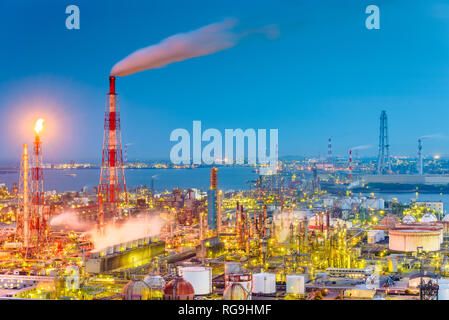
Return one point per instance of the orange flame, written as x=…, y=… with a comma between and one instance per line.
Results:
x=39, y=125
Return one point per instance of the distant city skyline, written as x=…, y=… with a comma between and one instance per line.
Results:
x=325, y=75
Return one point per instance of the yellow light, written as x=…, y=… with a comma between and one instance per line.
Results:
x=39, y=125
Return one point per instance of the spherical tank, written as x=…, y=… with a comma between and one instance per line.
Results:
x=178, y=289
x=235, y=292
x=136, y=290
x=244, y=279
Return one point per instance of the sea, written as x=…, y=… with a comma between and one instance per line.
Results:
x=229, y=178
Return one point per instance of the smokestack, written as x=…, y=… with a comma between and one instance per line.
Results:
x=111, y=85
x=350, y=164
x=112, y=174
x=420, y=162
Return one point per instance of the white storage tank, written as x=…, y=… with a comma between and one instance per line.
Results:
x=264, y=283
x=232, y=267
x=199, y=277
x=443, y=291
x=295, y=284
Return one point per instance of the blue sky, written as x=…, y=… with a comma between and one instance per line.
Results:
x=325, y=76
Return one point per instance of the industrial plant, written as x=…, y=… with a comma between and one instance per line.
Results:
x=293, y=227
x=300, y=233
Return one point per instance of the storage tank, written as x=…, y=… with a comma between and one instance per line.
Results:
x=155, y=282
x=117, y=248
x=109, y=250
x=443, y=290
x=295, y=284
x=235, y=292
x=264, y=283
x=244, y=279
x=232, y=267
x=199, y=277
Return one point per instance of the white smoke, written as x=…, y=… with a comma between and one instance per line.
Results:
x=204, y=41
x=69, y=220
x=434, y=136
x=362, y=147
x=131, y=229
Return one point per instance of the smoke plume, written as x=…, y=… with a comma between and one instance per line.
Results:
x=363, y=147
x=131, y=229
x=434, y=136
x=203, y=41
x=69, y=220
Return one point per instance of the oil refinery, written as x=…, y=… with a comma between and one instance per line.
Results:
x=286, y=238
x=93, y=207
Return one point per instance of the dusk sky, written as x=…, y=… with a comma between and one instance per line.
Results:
x=325, y=75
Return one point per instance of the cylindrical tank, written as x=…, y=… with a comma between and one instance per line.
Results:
x=264, y=283
x=295, y=284
x=199, y=277
x=244, y=279
x=443, y=290
x=232, y=267
x=117, y=248
x=109, y=250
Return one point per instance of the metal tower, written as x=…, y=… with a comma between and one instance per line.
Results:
x=24, y=198
x=112, y=176
x=420, y=164
x=383, y=161
x=38, y=223
x=329, y=151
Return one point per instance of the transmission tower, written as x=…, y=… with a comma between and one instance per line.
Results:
x=112, y=176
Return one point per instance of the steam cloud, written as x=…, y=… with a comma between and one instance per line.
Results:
x=132, y=229
x=69, y=220
x=204, y=41
x=434, y=136
x=363, y=147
